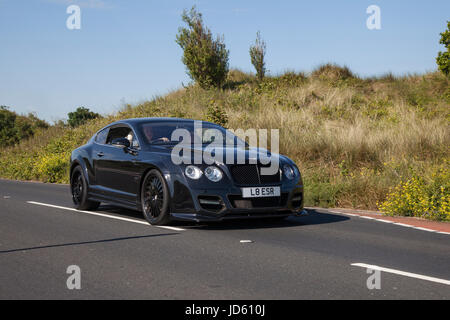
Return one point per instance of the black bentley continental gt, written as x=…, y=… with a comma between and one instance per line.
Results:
x=138, y=164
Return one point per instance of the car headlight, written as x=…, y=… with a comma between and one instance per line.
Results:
x=213, y=173
x=288, y=172
x=298, y=174
x=193, y=172
x=296, y=171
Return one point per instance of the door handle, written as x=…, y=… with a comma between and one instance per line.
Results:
x=100, y=154
x=133, y=152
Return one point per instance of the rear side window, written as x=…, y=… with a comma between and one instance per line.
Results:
x=101, y=136
x=118, y=132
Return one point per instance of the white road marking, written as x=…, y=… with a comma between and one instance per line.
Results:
x=402, y=273
x=104, y=215
x=403, y=225
x=368, y=218
x=347, y=214
x=246, y=241
x=424, y=229
x=385, y=221
x=388, y=221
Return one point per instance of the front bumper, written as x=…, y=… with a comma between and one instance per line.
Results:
x=225, y=204
x=254, y=215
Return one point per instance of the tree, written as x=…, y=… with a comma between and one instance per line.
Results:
x=14, y=128
x=443, y=58
x=257, y=55
x=8, y=131
x=36, y=122
x=80, y=116
x=206, y=58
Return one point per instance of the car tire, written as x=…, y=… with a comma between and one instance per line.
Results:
x=155, y=198
x=79, y=189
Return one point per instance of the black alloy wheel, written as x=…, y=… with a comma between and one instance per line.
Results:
x=155, y=198
x=78, y=187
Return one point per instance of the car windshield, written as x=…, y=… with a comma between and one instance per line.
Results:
x=187, y=132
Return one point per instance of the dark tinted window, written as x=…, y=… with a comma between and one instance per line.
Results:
x=101, y=136
x=118, y=132
x=161, y=133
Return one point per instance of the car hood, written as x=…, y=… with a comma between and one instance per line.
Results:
x=249, y=154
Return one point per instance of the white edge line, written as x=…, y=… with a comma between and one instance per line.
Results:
x=392, y=222
x=347, y=214
x=424, y=229
x=368, y=218
x=385, y=221
x=403, y=225
x=103, y=215
x=402, y=273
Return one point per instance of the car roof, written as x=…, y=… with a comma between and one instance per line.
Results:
x=134, y=121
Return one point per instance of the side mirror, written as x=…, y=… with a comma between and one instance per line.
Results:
x=121, y=142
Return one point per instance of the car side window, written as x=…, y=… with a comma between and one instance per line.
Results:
x=101, y=136
x=117, y=132
x=134, y=142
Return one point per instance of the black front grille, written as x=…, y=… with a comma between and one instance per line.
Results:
x=245, y=174
x=250, y=174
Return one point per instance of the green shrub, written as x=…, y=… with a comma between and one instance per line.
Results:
x=321, y=194
x=8, y=132
x=257, y=55
x=216, y=114
x=15, y=128
x=80, y=116
x=377, y=109
x=206, y=58
x=52, y=167
x=291, y=79
x=332, y=72
x=443, y=58
x=421, y=197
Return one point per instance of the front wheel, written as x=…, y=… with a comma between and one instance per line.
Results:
x=78, y=187
x=155, y=198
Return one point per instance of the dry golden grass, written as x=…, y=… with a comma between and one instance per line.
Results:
x=353, y=138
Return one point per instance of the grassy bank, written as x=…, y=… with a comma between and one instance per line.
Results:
x=357, y=141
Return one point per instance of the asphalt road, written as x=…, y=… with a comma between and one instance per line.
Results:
x=301, y=258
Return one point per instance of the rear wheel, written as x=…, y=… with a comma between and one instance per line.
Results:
x=155, y=198
x=79, y=187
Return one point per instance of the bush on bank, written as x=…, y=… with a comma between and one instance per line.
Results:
x=419, y=196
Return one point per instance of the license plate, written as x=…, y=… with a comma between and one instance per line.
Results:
x=258, y=192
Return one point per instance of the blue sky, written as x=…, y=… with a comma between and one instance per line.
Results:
x=125, y=51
